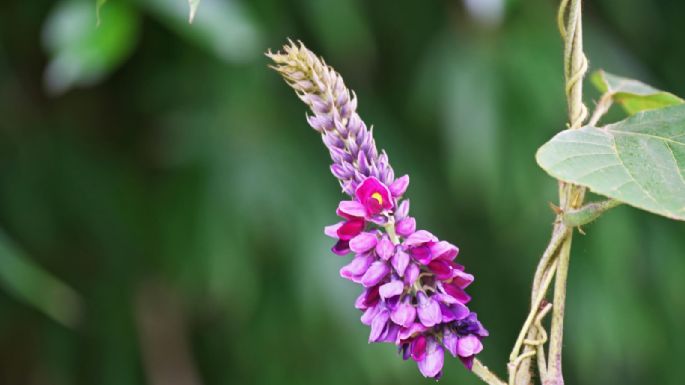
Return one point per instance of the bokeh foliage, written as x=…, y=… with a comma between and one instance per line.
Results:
x=168, y=178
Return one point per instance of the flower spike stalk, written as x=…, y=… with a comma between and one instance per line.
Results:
x=413, y=292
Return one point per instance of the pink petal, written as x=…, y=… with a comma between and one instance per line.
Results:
x=453, y=312
x=352, y=208
x=450, y=340
x=376, y=272
x=391, y=289
x=357, y=267
x=456, y=293
x=363, y=242
x=441, y=269
x=431, y=365
x=461, y=279
x=341, y=247
x=422, y=254
x=399, y=186
x=469, y=346
x=411, y=274
x=444, y=250
x=428, y=310
x=390, y=333
x=350, y=229
x=411, y=331
x=368, y=298
x=370, y=314
x=402, y=210
x=418, y=348
x=406, y=226
x=359, y=303
x=385, y=249
x=444, y=298
x=420, y=237
x=332, y=230
x=400, y=261
x=404, y=314
x=379, y=323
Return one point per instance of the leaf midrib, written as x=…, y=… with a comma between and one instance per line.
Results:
x=665, y=139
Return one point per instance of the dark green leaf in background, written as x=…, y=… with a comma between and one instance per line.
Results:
x=36, y=287
x=81, y=52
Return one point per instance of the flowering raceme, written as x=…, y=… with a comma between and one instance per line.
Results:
x=413, y=292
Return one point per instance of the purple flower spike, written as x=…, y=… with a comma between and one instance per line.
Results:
x=396, y=264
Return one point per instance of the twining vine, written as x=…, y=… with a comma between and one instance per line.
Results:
x=555, y=259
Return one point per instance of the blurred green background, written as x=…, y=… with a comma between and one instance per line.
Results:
x=162, y=199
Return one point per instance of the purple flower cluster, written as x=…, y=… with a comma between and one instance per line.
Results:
x=413, y=290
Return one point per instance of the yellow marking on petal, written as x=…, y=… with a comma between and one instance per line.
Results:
x=377, y=196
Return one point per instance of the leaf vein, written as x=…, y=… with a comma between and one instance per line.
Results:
x=677, y=167
x=663, y=138
x=554, y=165
x=598, y=169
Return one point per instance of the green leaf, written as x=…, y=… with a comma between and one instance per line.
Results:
x=36, y=287
x=81, y=52
x=193, y=9
x=639, y=161
x=633, y=95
